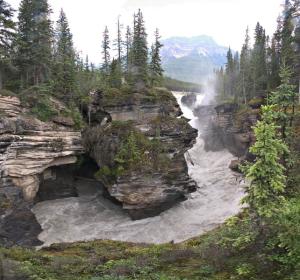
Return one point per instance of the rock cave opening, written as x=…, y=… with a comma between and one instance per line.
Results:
x=71, y=180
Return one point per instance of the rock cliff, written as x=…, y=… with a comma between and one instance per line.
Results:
x=28, y=150
x=134, y=143
x=229, y=126
x=161, y=178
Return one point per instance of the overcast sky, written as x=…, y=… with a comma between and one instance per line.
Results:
x=224, y=20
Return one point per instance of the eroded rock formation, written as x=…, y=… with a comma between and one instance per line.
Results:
x=37, y=157
x=229, y=126
x=149, y=190
x=28, y=150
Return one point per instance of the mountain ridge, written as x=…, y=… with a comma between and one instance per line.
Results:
x=192, y=59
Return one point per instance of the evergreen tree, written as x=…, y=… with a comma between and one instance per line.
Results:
x=258, y=63
x=274, y=64
x=64, y=74
x=220, y=85
x=266, y=174
x=156, y=71
x=106, y=51
x=296, y=61
x=245, y=74
x=128, y=46
x=231, y=74
x=115, y=77
x=87, y=64
x=139, y=69
x=287, y=50
x=119, y=41
x=235, y=75
x=34, y=41
x=7, y=28
x=229, y=65
x=285, y=100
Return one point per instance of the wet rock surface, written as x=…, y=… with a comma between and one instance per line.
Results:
x=189, y=99
x=228, y=126
x=37, y=160
x=148, y=191
x=28, y=148
x=91, y=217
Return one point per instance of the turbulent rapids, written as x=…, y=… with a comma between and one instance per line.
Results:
x=90, y=216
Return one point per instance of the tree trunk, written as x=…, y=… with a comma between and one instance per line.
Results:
x=299, y=91
x=244, y=89
x=1, y=79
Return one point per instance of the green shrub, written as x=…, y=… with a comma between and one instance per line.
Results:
x=5, y=92
x=43, y=110
x=37, y=98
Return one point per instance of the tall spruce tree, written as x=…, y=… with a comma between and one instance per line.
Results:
x=245, y=74
x=64, y=71
x=34, y=42
x=267, y=181
x=128, y=47
x=119, y=41
x=7, y=28
x=274, y=64
x=259, y=63
x=229, y=71
x=156, y=70
x=285, y=100
x=106, y=51
x=139, y=69
x=287, y=39
x=115, y=77
x=297, y=58
x=87, y=64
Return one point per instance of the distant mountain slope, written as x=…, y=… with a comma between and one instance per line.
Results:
x=191, y=59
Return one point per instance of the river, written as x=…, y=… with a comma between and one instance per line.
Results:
x=90, y=217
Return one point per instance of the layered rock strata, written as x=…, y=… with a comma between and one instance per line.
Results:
x=28, y=150
x=147, y=191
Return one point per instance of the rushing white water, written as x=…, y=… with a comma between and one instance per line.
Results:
x=90, y=217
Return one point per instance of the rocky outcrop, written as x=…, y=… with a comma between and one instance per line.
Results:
x=37, y=158
x=229, y=126
x=189, y=99
x=29, y=148
x=156, y=186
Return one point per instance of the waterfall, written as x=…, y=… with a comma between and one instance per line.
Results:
x=92, y=217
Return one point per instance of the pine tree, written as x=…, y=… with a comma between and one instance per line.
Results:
x=115, y=77
x=220, y=85
x=259, y=63
x=64, y=74
x=235, y=76
x=296, y=61
x=139, y=68
x=245, y=74
x=106, y=51
x=87, y=64
x=285, y=100
x=274, y=65
x=287, y=50
x=7, y=28
x=119, y=42
x=266, y=174
x=229, y=71
x=156, y=71
x=34, y=41
x=128, y=46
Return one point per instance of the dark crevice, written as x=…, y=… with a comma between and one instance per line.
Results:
x=69, y=181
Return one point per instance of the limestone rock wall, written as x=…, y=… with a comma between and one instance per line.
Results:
x=229, y=126
x=28, y=147
x=145, y=192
